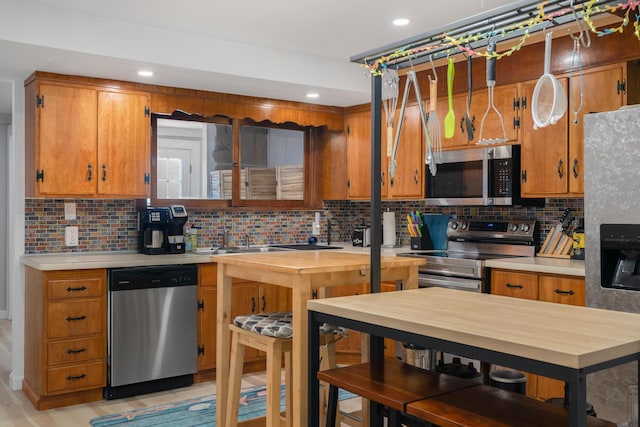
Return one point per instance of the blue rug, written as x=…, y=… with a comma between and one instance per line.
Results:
x=194, y=412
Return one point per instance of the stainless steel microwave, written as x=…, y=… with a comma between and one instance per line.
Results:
x=484, y=176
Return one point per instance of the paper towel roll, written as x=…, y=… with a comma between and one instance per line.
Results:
x=388, y=229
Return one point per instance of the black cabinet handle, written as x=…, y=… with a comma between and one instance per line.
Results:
x=79, y=377
x=253, y=304
x=575, y=168
x=71, y=319
x=560, y=174
x=70, y=351
x=509, y=285
x=104, y=173
x=559, y=292
x=80, y=289
x=264, y=303
x=89, y=172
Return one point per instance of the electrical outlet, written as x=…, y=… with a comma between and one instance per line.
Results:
x=71, y=236
x=70, y=211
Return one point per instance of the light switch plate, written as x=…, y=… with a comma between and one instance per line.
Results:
x=71, y=236
x=69, y=211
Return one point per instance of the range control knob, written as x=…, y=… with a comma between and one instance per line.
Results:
x=453, y=225
x=464, y=225
x=514, y=228
x=526, y=228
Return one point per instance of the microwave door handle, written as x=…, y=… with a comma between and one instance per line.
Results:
x=485, y=177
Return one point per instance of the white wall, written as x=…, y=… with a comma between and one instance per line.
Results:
x=5, y=121
x=15, y=237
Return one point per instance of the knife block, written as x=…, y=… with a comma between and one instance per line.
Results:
x=422, y=242
x=556, y=245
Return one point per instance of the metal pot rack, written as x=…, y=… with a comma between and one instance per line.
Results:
x=499, y=23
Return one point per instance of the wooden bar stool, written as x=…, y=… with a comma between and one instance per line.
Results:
x=270, y=333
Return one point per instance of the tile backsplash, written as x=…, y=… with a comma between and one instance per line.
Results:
x=111, y=225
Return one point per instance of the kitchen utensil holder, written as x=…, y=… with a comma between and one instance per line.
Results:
x=422, y=242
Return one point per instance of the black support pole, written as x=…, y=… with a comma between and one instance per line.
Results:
x=376, y=343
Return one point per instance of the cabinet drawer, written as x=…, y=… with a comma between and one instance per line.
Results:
x=562, y=290
x=76, y=377
x=76, y=284
x=77, y=350
x=73, y=318
x=514, y=284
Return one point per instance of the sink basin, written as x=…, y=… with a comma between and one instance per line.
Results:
x=305, y=247
x=249, y=250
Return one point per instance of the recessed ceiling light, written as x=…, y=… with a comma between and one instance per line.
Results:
x=400, y=22
x=313, y=95
x=144, y=73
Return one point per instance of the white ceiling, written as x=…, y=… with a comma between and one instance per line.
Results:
x=277, y=49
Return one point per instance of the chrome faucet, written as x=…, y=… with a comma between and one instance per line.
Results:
x=246, y=241
x=225, y=238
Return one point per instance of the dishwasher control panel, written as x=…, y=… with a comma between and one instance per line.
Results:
x=121, y=279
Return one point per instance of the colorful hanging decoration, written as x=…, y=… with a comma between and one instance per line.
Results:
x=462, y=44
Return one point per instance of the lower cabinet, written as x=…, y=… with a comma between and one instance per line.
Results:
x=65, y=336
x=543, y=287
x=248, y=298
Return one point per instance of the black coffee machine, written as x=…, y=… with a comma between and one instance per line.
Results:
x=161, y=230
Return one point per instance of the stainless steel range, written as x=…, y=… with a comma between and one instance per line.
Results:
x=469, y=244
x=461, y=266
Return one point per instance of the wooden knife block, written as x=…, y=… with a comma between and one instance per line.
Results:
x=556, y=245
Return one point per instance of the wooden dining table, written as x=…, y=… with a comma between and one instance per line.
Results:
x=302, y=272
x=555, y=340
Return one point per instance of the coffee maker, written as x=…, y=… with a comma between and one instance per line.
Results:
x=620, y=256
x=161, y=230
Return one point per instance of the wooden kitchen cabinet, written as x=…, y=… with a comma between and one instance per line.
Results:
x=65, y=336
x=409, y=175
x=87, y=141
x=552, y=288
x=553, y=157
x=248, y=298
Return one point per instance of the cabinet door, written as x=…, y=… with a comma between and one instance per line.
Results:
x=601, y=93
x=207, y=295
x=274, y=298
x=66, y=141
x=504, y=99
x=561, y=290
x=514, y=284
x=351, y=345
x=459, y=138
x=123, y=144
x=208, y=299
x=358, y=127
x=544, y=153
x=408, y=178
x=245, y=301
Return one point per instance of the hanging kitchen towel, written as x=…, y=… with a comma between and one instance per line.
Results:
x=437, y=225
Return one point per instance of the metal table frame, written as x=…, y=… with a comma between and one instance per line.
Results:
x=576, y=378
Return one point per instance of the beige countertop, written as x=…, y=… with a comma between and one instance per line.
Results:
x=89, y=260
x=569, y=267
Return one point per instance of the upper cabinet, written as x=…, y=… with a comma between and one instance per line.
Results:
x=553, y=157
x=85, y=141
x=407, y=182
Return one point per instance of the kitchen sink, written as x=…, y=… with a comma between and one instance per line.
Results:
x=237, y=250
x=304, y=246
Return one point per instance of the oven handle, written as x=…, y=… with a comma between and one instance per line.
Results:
x=430, y=280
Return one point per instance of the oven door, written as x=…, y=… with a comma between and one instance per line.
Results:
x=432, y=280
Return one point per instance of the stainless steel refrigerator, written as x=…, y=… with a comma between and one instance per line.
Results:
x=612, y=238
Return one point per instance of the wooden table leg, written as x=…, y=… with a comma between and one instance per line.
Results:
x=223, y=344
x=301, y=293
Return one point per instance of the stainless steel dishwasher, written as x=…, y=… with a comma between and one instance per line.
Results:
x=152, y=329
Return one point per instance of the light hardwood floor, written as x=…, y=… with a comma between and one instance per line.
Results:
x=16, y=410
